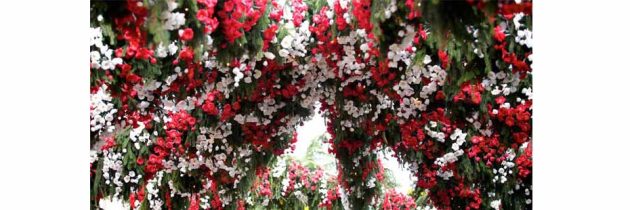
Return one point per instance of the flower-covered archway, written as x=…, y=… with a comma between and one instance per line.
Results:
x=192, y=100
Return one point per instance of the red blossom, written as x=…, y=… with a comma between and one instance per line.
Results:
x=110, y=142
x=268, y=35
x=187, y=34
x=394, y=201
x=524, y=162
x=206, y=15
x=140, y=161
x=186, y=54
x=508, y=10
x=498, y=34
x=298, y=8
x=382, y=74
x=443, y=58
x=340, y=21
x=469, y=93
x=362, y=13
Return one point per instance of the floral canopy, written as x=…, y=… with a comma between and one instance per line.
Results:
x=193, y=100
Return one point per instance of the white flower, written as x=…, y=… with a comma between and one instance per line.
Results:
x=364, y=47
x=458, y=135
x=517, y=20
x=117, y=61
x=269, y=55
x=524, y=37
x=173, y=20
x=495, y=204
x=388, y=14
x=108, y=65
x=527, y=92
x=440, y=137
x=528, y=38
x=427, y=59
x=444, y=174
x=161, y=51
x=283, y=53
x=210, y=40
x=286, y=41
x=496, y=91
x=371, y=183
x=172, y=48
x=238, y=75
x=172, y=5
x=455, y=147
x=450, y=157
x=95, y=56
x=257, y=73
x=96, y=36
x=501, y=75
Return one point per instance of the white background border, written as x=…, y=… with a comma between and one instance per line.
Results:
x=581, y=114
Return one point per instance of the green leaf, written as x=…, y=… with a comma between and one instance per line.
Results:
x=144, y=150
x=97, y=178
x=488, y=63
x=125, y=142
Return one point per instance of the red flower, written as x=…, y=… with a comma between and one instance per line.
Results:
x=361, y=11
x=119, y=52
x=277, y=12
x=524, y=162
x=206, y=16
x=268, y=35
x=500, y=100
x=508, y=10
x=153, y=166
x=186, y=54
x=413, y=12
x=475, y=97
x=231, y=29
x=109, y=143
x=133, y=78
x=140, y=161
x=210, y=108
x=443, y=58
x=341, y=22
x=256, y=11
x=469, y=93
x=422, y=33
x=498, y=34
x=298, y=8
x=382, y=75
x=216, y=202
x=187, y=34
x=194, y=202
x=144, y=53
x=208, y=3
x=132, y=199
x=227, y=113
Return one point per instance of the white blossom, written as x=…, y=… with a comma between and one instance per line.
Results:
x=495, y=204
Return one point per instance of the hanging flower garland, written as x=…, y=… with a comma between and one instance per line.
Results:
x=192, y=100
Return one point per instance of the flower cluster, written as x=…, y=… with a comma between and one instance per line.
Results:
x=101, y=111
x=395, y=200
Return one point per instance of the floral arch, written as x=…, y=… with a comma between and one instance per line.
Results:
x=192, y=100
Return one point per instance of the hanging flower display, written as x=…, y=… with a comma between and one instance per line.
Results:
x=192, y=101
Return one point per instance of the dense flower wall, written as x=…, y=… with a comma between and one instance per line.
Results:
x=193, y=100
